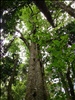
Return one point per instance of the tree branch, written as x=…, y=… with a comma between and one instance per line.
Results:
x=22, y=37
x=68, y=9
x=8, y=46
x=43, y=8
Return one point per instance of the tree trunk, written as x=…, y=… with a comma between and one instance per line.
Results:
x=65, y=85
x=35, y=83
x=9, y=90
x=9, y=95
x=71, y=89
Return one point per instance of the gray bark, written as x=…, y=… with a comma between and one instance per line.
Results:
x=35, y=83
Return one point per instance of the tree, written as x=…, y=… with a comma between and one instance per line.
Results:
x=47, y=46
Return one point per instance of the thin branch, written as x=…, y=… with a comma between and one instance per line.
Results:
x=8, y=46
x=22, y=37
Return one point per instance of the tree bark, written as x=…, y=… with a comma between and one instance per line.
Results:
x=35, y=83
x=43, y=8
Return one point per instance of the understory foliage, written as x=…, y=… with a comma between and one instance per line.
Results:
x=23, y=24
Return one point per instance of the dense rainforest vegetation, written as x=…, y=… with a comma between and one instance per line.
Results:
x=37, y=50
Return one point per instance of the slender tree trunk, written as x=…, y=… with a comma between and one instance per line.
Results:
x=71, y=89
x=35, y=83
x=9, y=95
x=9, y=90
x=65, y=85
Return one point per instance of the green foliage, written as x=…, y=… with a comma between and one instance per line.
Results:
x=19, y=90
x=57, y=48
x=6, y=68
x=14, y=46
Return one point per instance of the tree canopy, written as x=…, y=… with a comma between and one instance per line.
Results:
x=37, y=50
